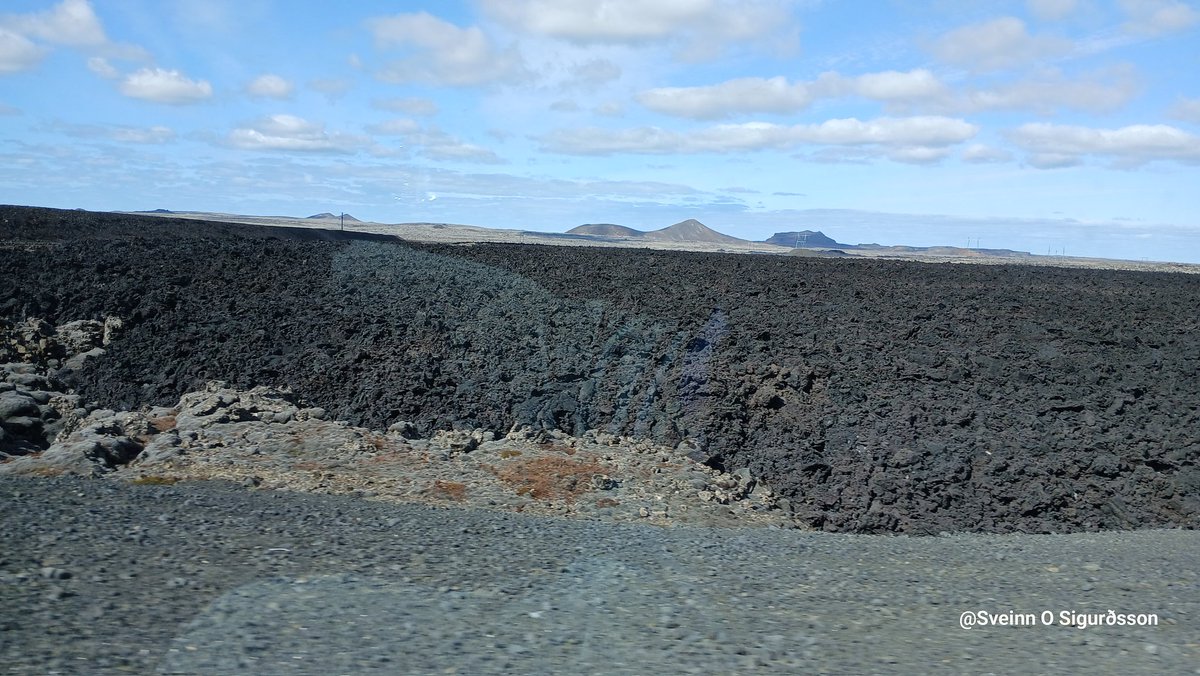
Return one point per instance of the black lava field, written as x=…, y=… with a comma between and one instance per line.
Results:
x=877, y=396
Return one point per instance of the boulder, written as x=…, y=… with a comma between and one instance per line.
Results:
x=16, y=403
x=80, y=360
x=81, y=336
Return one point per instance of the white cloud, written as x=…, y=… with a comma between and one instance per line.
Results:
x=1186, y=109
x=742, y=95
x=70, y=22
x=1155, y=17
x=979, y=153
x=904, y=131
x=6, y=109
x=100, y=66
x=611, y=21
x=899, y=86
x=996, y=44
x=270, y=86
x=706, y=26
x=779, y=96
x=917, y=154
x=443, y=53
x=907, y=138
x=1058, y=145
x=564, y=106
x=407, y=106
x=164, y=86
x=1052, y=10
x=1054, y=160
x=288, y=132
x=17, y=53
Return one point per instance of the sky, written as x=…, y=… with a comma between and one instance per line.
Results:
x=1049, y=126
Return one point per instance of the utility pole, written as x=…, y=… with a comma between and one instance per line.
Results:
x=343, y=221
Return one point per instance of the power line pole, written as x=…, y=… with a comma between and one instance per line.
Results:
x=343, y=221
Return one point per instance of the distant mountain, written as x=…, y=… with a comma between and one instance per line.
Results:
x=691, y=230
x=605, y=230
x=815, y=239
x=804, y=238
x=327, y=215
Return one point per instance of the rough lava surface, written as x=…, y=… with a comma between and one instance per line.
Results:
x=874, y=396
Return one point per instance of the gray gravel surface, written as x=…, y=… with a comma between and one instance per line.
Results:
x=98, y=577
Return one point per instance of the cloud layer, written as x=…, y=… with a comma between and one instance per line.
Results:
x=914, y=138
x=1053, y=145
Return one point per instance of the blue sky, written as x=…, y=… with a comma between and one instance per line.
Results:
x=1040, y=125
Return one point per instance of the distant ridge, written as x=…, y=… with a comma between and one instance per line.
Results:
x=605, y=230
x=690, y=230
x=815, y=239
x=327, y=215
x=803, y=238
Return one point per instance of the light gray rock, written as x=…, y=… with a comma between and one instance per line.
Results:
x=79, y=458
x=22, y=423
x=31, y=381
x=113, y=327
x=80, y=336
x=456, y=441
x=405, y=429
x=80, y=360
x=14, y=403
x=161, y=448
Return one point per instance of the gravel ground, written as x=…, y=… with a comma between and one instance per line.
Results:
x=98, y=577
